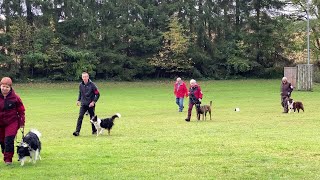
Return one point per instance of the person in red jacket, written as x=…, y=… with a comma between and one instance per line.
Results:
x=195, y=96
x=12, y=117
x=180, y=91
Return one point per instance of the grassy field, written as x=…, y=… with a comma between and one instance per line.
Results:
x=152, y=140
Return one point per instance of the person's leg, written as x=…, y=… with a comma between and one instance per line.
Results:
x=282, y=100
x=285, y=108
x=189, y=111
x=2, y=135
x=283, y=103
x=177, y=101
x=180, y=104
x=92, y=113
x=83, y=110
x=10, y=134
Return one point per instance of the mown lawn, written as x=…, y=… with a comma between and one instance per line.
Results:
x=152, y=140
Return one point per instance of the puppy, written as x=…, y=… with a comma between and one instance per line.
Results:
x=203, y=110
x=102, y=124
x=292, y=105
x=30, y=146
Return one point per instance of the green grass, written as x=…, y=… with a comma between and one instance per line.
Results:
x=152, y=140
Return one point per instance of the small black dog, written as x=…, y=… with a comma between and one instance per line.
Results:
x=30, y=146
x=102, y=124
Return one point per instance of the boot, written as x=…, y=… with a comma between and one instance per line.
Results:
x=8, y=157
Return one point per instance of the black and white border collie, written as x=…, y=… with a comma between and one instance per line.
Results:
x=102, y=124
x=30, y=146
x=294, y=105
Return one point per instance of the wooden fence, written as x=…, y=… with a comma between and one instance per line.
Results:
x=300, y=77
x=304, y=77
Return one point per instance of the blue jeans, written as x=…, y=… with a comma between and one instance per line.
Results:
x=179, y=102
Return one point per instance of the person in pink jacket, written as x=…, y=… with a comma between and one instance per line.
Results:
x=195, y=97
x=180, y=91
x=12, y=117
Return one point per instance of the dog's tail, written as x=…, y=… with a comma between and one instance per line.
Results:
x=117, y=115
x=36, y=132
x=210, y=103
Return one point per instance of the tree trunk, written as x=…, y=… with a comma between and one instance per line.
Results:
x=29, y=13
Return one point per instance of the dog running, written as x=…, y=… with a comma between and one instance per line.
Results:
x=292, y=105
x=30, y=146
x=203, y=110
x=102, y=124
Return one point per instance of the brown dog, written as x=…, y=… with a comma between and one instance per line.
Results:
x=203, y=110
x=292, y=105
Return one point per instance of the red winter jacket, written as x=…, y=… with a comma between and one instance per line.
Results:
x=195, y=94
x=11, y=109
x=180, y=91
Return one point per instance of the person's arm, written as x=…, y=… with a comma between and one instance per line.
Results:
x=290, y=89
x=200, y=94
x=96, y=93
x=79, y=96
x=21, y=112
x=185, y=90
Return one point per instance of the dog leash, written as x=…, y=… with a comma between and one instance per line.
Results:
x=22, y=132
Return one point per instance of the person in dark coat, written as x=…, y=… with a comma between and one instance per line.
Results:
x=286, y=89
x=87, y=99
x=12, y=117
x=195, y=97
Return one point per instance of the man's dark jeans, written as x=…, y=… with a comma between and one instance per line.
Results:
x=83, y=110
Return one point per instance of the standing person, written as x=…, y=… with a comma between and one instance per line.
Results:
x=285, y=89
x=180, y=90
x=88, y=96
x=12, y=117
x=195, y=96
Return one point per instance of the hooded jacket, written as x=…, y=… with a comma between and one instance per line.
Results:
x=286, y=89
x=180, y=90
x=88, y=93
x=11, y=109
x=195, y=94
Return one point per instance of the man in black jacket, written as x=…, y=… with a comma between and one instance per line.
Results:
x=88, y=96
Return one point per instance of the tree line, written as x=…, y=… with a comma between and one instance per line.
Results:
x=138, y=39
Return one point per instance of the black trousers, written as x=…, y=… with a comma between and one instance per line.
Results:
x=83, y=110
x=284, y=103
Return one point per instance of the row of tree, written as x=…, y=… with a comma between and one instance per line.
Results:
x=136, y=39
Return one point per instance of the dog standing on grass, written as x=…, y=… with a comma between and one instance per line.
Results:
x=292, y=105
x=30, y=146
x=203, y=110
x=102, y=124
